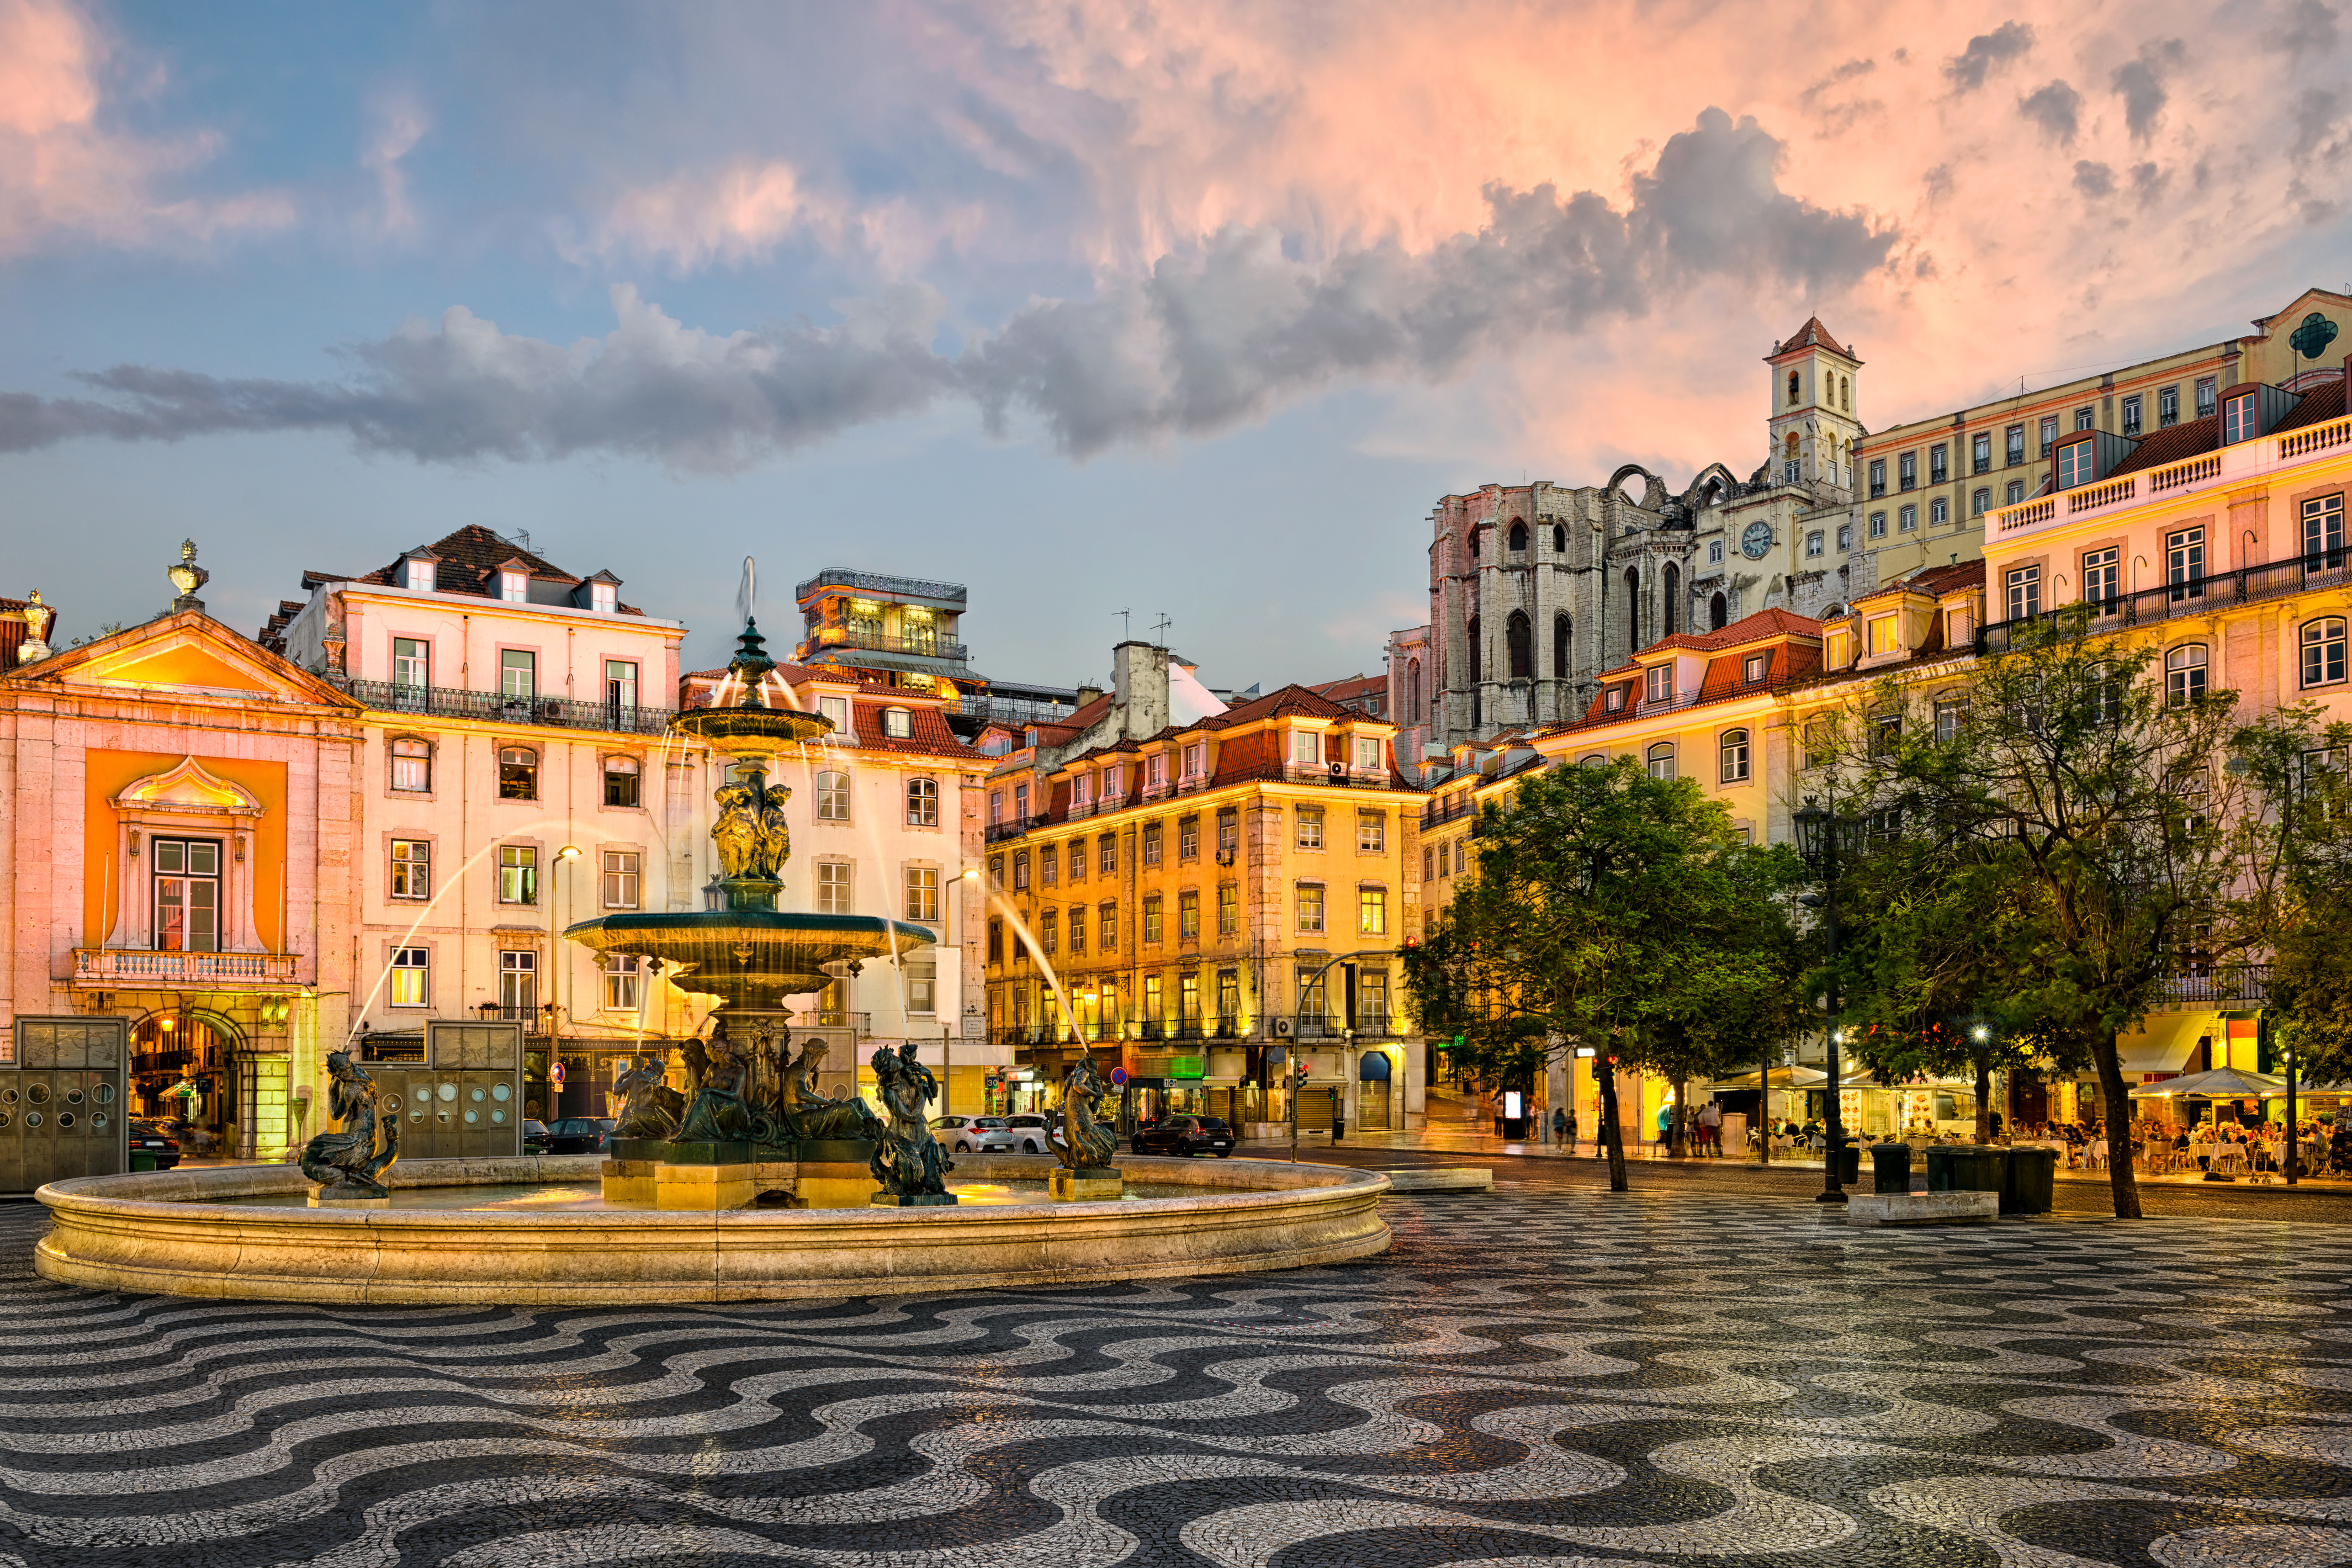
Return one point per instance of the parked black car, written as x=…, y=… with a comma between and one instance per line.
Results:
x=536, y=1138
x=1185, y=1135
x=579, y=1134
x=150, y=1143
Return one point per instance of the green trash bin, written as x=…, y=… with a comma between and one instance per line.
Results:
x=142, y=1161
x=1939, y=1167
x=2029, y=1180
x=1977, y=1168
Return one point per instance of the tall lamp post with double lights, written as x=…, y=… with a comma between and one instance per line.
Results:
x=1824, y=839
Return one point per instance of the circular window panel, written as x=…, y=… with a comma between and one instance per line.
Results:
x=478, y=1097
x=73, y=1097
x=39, y=1094
x=65, y=1120
x=497, y=1116
x=98, y=1122
x=501, y=1093
x=449, y=1091
x=104, y=1094
x=8, y=1097
x=7, y=1120
x=32, y=1119
x=424, y=1095
x=472, y=1117
x=445, y=1116
x=416, y=1116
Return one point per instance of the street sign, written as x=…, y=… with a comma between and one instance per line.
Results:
x=1118, y=1077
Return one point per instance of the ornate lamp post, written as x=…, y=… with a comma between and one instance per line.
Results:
x=1823, y=838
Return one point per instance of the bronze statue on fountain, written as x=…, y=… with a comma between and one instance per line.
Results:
x=1086, y=1147
x=346, y=1163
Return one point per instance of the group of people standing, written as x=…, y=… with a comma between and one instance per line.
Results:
x=1706, y=1128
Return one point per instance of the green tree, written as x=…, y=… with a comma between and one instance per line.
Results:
x=1613, y=910
x=2072, y=775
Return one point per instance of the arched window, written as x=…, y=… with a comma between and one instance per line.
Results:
x=1732, y=753
x=832, y=797
x=1519, y=639
x=1719, y=613
x=1661, y=760
x=1478, y=661
x=923, y=803
x=1518, y=537
x=1673, y=592
x=1789, y=446
x=1793, y=385
x=1474, y=544
x=1633, y=609
x=1845, y=394
x=519, y=773
x=1558, y=540
x=622, y=776
x=1593, y=760
x=412, y=765
x=1560, y=629
x=2184, y=674
x=2322, y=651
x=897, y=723
x=1980, y=502
x=1411, y=689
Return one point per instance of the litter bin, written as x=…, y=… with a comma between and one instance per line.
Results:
x=2027, y=1179
x=1890, y=1167
x=142, y=1161
x=1939, y=1167
x=1978, y=1168
x=1849, y=1164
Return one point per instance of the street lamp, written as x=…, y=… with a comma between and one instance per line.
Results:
x=1824, y=838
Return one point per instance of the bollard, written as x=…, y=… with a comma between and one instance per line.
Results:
x=1890, y=1167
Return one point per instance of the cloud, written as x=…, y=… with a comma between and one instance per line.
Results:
x=1986, y=53
x=2316, y=111
x=2309, y=30
x=2094, y=179
x=745, y=210
x=2057, y=109
x=2140, y=84
x=65, y=178
x=400, y=125
x=1198, y=345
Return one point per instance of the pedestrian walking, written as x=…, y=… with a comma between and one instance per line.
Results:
x=1572, y=1129
x=1710, y=1128
x=1558, y=1125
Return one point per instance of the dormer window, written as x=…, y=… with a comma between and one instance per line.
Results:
x=2078, y=464
x=897, y=723
x=1614, y=700
x=1155, y=770
x=2240, y=419
x=514, y=587
x=604, y=598
x=1306, y=748
x=1752, y=670
x=1883, y=639
x=1838, y=649
x=1081, y=786
x=1660, y=683
x=416, y=575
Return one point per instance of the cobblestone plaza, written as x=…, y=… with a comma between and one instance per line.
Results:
x=1550, y=1375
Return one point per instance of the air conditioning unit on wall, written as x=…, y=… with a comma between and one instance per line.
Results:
x=1280, y=1029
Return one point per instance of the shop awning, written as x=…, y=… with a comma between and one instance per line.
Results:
x=2222, y=1083
x=1782, y=1078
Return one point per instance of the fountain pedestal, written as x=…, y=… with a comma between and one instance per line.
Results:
x=1092, y=1184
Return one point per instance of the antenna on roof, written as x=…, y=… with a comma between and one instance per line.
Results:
x=1125, y=626
x=747, y=591
x=523, y=537
x=1160, y=628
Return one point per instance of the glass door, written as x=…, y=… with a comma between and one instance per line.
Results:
x=187, y=894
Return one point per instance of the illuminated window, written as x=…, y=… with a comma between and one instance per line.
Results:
x=621, y=781
x=518, y=874
x=1371, y=912
x=1310, y=906
x=923, y=893
x=412, y=977
x=517, y=774
x=412, y=868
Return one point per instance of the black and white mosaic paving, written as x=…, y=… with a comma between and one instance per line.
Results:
x=1548, y=1376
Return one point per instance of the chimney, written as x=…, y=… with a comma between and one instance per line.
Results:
x=1139, y=683
x=1087, y=694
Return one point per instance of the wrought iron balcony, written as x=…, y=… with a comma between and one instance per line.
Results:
x=136, y=968
x=2228, y=982
x=2328, y=569
x=495, y=707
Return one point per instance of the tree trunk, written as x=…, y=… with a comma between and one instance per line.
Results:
x=2116, y=1104
x=1605, y=1074
x=1984, y=1100
x=1680, y=1146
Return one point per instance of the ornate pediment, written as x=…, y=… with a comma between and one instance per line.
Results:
x=188, y=789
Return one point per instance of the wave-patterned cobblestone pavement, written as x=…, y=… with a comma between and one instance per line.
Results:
x=1547, y=1376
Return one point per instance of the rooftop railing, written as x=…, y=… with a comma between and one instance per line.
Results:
x=2232, y=464
x=874, y=582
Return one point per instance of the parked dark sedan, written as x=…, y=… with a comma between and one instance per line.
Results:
x=579, y=1134
x=1185, y=1135
x=536, y=1138
x=150, y=1142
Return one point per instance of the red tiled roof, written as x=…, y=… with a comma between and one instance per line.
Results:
x=1807, y=336
x=1289, y=700
x=1353, y=686
x=2319, y=404
x=466, y=561
x=2188, y=440
x=932, y=738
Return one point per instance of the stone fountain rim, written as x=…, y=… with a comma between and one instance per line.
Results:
x=182, y=1245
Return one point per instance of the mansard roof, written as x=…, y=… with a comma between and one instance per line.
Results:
x=467, y=562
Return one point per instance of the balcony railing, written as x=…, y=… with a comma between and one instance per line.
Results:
x=2200, y=596
x=1439, y=815
x=137, y=967
x=833, y=1019
x=883, y=642
x=491, y=707
x=2233, y=464
x=2229, y=983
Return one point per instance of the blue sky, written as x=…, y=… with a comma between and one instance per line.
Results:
x=1092, y=306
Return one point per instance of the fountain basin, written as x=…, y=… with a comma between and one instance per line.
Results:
x=750, y=957
x=175, y=1232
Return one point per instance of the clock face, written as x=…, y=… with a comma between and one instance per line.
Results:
x=1756, y=541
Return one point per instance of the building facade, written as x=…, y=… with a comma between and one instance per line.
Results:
x=178, y=833
x=1205, y=904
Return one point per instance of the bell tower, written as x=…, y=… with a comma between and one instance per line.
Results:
x=1813, y=425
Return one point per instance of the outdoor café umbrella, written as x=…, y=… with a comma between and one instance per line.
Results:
x=2222, y=1083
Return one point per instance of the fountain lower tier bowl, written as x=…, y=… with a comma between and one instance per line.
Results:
x=752, y=957
x=218, y=1232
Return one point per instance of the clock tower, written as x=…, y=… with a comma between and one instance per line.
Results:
x=1813, y=428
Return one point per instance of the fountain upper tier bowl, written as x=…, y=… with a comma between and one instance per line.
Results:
x=751, y=729
x=750, y=957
